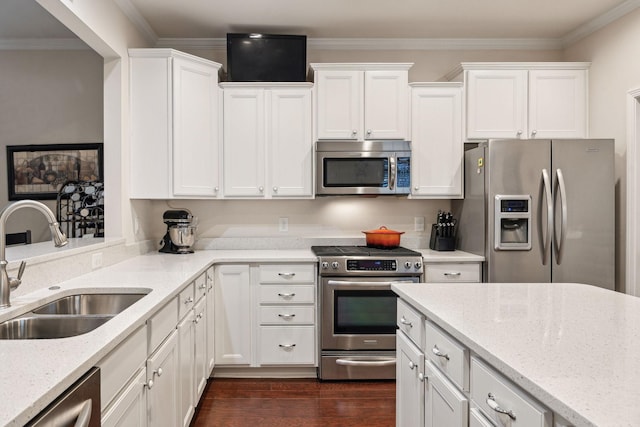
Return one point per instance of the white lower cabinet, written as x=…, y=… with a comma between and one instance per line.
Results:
x=476, y=419
x=210, y=322
x=130, y=407
x=410, y=390
x=163, y=383
x=445, y=404
x=186, y=339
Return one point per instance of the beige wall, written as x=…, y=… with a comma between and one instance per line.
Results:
x=48, y=97
x=615, y=70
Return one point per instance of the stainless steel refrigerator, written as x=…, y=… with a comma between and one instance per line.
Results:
x=541, y=210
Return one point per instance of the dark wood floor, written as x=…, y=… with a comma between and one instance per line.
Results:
x=296, y=402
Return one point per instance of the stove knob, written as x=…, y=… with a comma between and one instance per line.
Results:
x=418, y=265
x=325, y=265
x=335, y=265
x=407, y=265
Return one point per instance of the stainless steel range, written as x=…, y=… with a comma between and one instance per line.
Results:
x=358, y=309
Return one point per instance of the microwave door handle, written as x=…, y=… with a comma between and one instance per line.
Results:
x=392, y=174
x=358, y=283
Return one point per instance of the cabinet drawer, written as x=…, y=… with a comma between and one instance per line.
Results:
x=186, y=300
x=200, y=286
x=288, y=315
x=476, y=419
x=121, y=364
x=409, y=321
x=287, y=294
x=452, y=272
x=489, y=388
x=161, y=324
x=287, y=273
x=287, y=345
x=448, y=355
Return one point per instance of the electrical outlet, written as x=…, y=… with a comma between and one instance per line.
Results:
x=418, y=223
x=96, y=260
x=283, y=224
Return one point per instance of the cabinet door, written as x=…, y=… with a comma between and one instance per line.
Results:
x=163, y=394
x=496, y=103
x=445, y=405
x=210, y=322
x=340, y=104
x=289, y=143
x=409, y=383
x=186, y=344
x=386, y=104
x=243, y=145
x=130, y=407
x=200, y=356
x=558, y=104
x=436, y=142
x=195, y=128
x=233, y=328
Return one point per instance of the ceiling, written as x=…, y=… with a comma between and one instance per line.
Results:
x=161, y=21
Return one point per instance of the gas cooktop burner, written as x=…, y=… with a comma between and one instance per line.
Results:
x=362, y=251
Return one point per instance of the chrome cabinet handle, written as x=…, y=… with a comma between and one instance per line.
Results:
x=354, y=132
x=216, y=189
x=188, y=300
x=546, y=245
x=562, y=191
x=286, y=316
x=519, y=132
x=203, y=286
x=349, y=362
x=158, y=372
x=149, y=384
x=411, y=365
x=534, y=132
x=275, y=189
x=261, y=189
x=287, y=346
x=291, y=295
x=491, y=401
x=435, y=350
x=287, y=275
x=368, y=132
x=453, y=273
x=421, y=376
x=404, y=321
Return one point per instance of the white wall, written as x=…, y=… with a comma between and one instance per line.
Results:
x=615, y=70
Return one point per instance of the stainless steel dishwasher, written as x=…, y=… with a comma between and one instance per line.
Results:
x=78, y=406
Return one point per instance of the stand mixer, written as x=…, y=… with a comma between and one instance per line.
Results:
x=181, y=232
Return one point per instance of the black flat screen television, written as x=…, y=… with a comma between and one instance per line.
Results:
x=266, y=58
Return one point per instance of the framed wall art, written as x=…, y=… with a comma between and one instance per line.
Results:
x=39, y=171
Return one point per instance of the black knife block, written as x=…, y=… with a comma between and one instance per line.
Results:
x=441, y=243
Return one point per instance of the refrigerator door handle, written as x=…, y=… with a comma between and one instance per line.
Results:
x=546, y=249
x=563, y=226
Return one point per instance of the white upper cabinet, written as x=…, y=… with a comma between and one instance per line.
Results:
x=526, y=100
x=175, y=125
x=436, y=140
x=362, y=101
x=267, y=143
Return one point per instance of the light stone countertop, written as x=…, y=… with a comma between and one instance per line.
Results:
x=34, y=372
x=574, y=347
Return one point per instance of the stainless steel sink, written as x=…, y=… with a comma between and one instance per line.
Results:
x=47, y=327
x=90, y=304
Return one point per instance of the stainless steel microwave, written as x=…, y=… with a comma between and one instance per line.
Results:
x=369, y=167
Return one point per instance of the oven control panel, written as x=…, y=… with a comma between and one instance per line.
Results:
x=372, y=265
x=369, y=265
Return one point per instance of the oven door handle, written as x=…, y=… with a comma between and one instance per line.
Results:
x=350, y=283
x=382, y=362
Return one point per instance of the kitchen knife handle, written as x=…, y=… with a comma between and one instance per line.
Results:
x=549, y=198
x=563, y=226
x=392, y=173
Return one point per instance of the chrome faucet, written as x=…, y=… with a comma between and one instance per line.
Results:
x=7, y=284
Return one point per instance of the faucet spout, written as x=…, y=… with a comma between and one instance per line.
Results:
x=59, y=239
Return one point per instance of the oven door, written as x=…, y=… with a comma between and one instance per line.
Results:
x=359, y=313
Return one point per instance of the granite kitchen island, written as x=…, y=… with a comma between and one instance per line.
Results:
x=574, y=348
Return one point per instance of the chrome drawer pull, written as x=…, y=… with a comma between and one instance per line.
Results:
x=188, y=300
x=287, y=316
x=455, y=273
x=382, y=362
x=412, y=365
x=291, y=295
x=404, y=321
x=491, y=401
x=287, y=346
x=435, y=350
x=287, y=275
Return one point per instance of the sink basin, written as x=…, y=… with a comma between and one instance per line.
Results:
x=46, y=327
x=107, y=304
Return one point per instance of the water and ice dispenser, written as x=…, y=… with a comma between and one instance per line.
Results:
x=512, y=222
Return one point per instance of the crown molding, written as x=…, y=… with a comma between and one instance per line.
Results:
x=600, y=22
x=141, y=24
x=42, y=44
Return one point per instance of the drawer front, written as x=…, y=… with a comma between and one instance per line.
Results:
x=287, y=273
x=287, y=294
x=492, y=393
x=452, y=272
x=201, y=286
x=287, y=315
x=161, y=324
x=121, y=364
x=291, y=345
x=186, y=300
x=447, y=354
x=410, y=322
